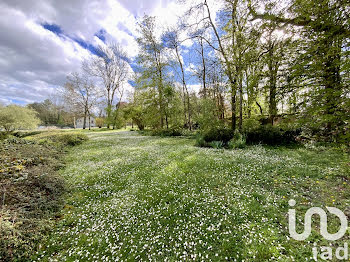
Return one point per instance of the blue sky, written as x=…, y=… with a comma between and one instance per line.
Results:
x=43, y=41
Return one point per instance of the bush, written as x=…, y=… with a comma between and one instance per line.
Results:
x=215, y=137
x=60, y=138
x=250, y=124
x=167, y=132
x=15, y=117
x=218, y=134
x=72, y=139
x=200, y=142
x=3, y=135
x=238, y=141
x=216, y=144
x=271, y=135
x=22, y=134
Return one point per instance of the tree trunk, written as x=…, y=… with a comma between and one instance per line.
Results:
x=332, y=82
x=204, y=68
x=233, y=105
x=89, y=122
x=85, y=115
x=260, y=108
x=240, y=124
x=184, y=91
x=273, y=67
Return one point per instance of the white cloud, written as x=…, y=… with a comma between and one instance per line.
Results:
x=194, y=88
x=35, y=61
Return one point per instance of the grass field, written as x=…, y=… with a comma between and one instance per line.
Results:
x=139, y=198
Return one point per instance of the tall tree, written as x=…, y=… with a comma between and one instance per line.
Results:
x=153, y=62
x=81, y=94
x=324, y=29
x=172, y=40
x=110, y=65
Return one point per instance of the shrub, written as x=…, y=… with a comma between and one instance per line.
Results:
x=72, y=139
x=215, y=137
x=216, y=144
x=200, y=142
x=22, y=134
x=271, y=135
x=15, y=117
x=3, y=135
x=238, y=141
x=218, y=134
x=250, y=124
x=60, y=138
x=100, y=122
x=167, y=132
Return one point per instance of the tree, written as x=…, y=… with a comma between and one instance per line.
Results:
x=153, y=65
x=15, y=117
x=274, y=50
x=110, y=65
x=81, y=94
x=172, y=41
x=324, y=30
x=100, y=122
x=51, y=113
x=229, y=67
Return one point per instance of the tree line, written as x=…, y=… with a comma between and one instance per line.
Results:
x=284, y=64
x=255, y=62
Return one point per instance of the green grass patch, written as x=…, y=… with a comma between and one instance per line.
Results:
x=142, y=198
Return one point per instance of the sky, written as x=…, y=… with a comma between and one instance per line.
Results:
x=42, y=41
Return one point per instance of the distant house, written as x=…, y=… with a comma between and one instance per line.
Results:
x=79, y=123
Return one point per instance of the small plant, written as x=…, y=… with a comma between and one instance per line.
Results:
x=238, y=141
x=3, y=135
x=200, y=142
x=217, y=144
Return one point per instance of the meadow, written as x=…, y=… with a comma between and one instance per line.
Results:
x=143, y=198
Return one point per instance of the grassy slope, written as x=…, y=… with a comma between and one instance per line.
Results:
x=142, y=198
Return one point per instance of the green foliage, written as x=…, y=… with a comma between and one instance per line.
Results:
x=100, y=121
x=218, y=134
x=200, y=142
x=271, y=135
x=72, y=139
x=60, y=138
x=15, y=117
x=118, y=119
x=206, y=118
x=166, y=192
x=216, y=144
x=3, y=135
x=22, y=134
x=52, y=114
x=214, y=137
x=31, y=194
x=250, y=124
x=167, y=132
x=238, y=141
